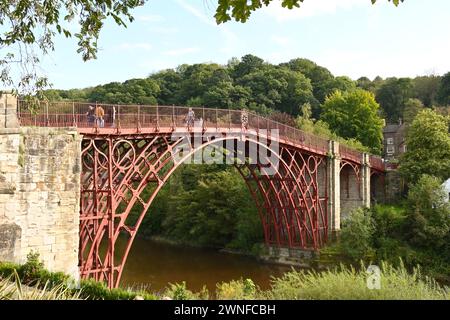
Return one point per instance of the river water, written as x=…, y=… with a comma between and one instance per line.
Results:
x=154, y=265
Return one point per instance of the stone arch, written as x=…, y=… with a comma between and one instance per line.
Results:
x=350, y=187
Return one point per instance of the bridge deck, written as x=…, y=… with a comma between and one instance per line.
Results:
x=145, y=120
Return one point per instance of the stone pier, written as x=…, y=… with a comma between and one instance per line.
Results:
x=39, y=192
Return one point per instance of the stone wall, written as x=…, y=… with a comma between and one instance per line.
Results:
x=395, y=188
x=350, y=191
x=39, y=196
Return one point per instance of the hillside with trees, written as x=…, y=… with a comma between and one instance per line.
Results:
x=280, y=92
x=299, y=93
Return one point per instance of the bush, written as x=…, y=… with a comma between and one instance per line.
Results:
x=32, y=273
x=357, y=233
x=389, y=221
x=428, y=214
x=236, y=290
x=179, y=291
x=349, y=284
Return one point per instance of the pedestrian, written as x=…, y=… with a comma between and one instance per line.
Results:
x=244, y=120
x=99, y=115
x=90, y=114
x=190, y=117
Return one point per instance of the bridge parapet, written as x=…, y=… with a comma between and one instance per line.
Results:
x=146, y=119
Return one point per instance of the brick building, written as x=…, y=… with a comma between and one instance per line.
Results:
x=394, y=143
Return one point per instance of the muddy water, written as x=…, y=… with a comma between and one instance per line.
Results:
x=155, y=265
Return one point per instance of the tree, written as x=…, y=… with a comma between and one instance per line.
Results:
x=429, y=213
x=443, y=93
x=412, y=108
x=248, y=64
x=354, y=115
x=241, y=10
x=169, y=83
x=392, y=96
x=30, y=26
x=278, y=88
x=428, y=147
x=356, y=237
x=426, y=89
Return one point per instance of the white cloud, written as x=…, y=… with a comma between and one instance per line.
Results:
x=181, y=51
x=194, y=11
x=135, y=46
x=310, y=8
x=231, y=40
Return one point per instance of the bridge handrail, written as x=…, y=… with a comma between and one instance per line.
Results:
x=73, y=114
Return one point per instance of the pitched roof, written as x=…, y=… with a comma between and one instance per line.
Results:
x=391, y=128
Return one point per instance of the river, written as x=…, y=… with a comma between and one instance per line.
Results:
x=155, y=264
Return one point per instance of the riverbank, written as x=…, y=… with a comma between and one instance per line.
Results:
x=395, y=283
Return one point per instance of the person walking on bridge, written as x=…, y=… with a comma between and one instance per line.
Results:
x=99, y=115
x=90, y=114
x=190, y=117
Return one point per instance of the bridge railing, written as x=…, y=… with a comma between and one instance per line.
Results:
x=376, y=163
x=75, y=114
x=350, y=154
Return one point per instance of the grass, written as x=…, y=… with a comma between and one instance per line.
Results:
x=12, y=288
x=342, y=283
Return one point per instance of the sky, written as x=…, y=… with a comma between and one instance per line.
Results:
x=349, y=37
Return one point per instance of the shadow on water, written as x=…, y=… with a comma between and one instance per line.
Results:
x=154, y=265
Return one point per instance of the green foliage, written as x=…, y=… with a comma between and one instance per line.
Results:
x=11, y=288
x=207, y=206
x=426, y=89
x=349, y=284
x=179, y=291
x=428, y=152
x=29, y=26
x=392, y=96
x=412, y=108
x=354, y=115
x=429, y=214
x=339, y=283
x=356, y=236
x=57, y=284
x=236, y=290
x=241, y=10
x=443, y=94
x=93, y=290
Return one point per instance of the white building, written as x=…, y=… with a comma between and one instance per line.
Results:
x=446, y=186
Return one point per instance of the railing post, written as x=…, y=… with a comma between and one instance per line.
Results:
x=138, y=118
x=73, y=114
x=173, y=117
x=229, y=119
x=157, y=118
x=257, y=128
x=217, y=120
x=46, y=114
x=203, y=118
x=118, y=117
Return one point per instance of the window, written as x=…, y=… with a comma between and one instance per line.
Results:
x=390, y=140
x=390, y=150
